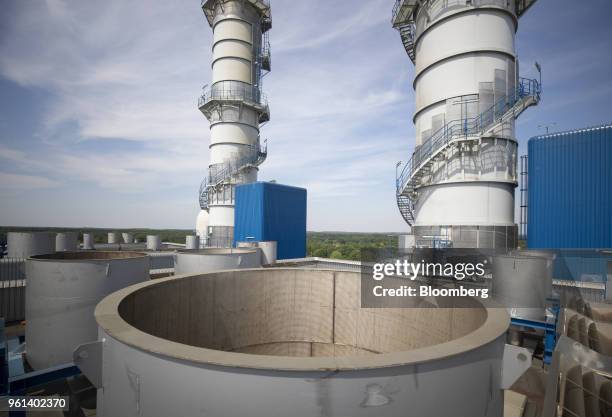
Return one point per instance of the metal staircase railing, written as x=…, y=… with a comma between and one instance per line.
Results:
x=262, y=6
x=216, y=177
x=265, y=53
x=402, y=20
x=235, y=92
x=403, y=16
x=407, y=32
x=511, y=106
x=406, y=207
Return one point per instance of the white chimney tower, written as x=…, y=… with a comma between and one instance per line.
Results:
x=457, y=189
x=235, y=107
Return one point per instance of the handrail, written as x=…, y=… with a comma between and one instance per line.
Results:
x=248, y=95
x=396, y=10
x=265, y=52
x=231, y=168
x=467, y=127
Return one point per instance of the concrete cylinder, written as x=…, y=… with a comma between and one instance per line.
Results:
x=88, y=241
x=406, y=242
x=66, y=241
x=113, y=238
x=61, y=294
x=25, y=244
x=215, y=259
x=282, y=342
x=192, y=242
x=153, y=242
x=522, y=284
x=268, y=252
x=127, y=237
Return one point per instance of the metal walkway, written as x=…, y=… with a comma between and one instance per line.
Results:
x=221, y=176
x=507, y=108
x=404, y=16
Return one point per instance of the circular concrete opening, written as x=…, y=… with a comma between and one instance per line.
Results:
x=216, y=251
x=312, y=318
x=88, y=256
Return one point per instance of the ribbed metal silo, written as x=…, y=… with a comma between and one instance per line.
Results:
x=235, y=107
x=457, y=189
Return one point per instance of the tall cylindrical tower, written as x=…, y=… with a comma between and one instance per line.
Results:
x=457, y=189
x=235, y=107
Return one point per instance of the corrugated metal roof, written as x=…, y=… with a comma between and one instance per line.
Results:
x=570, y=189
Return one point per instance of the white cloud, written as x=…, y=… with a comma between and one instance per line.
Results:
x=10, y=181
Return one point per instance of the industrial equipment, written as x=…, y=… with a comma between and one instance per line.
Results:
x=235, y=107
x=570, y=189
x=215, y=259
x=61, y=293
x=66, y=241
x=457, y=188
x=268, y=211
x=282, y=342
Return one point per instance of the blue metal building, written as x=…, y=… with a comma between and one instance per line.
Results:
x=267, y=211
x=570, y=189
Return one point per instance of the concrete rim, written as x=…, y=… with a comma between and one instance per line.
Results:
x=87, y=256
x=108, y=318
x=216, y=251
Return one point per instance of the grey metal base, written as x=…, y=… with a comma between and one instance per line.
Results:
x=485, y=237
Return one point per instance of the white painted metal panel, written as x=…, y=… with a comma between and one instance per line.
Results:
x=66, y=241
x=471, y=32
x=473, y=203
x=232, y=48
x=23, y=245
x=233, y=29
x=61, y=294
x=235, y=69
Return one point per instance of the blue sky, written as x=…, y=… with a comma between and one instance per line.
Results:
x=99, y=125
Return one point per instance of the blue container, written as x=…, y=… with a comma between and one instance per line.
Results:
x=267, y=211
x=570, y=189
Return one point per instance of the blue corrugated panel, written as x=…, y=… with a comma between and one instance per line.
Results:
x=267, y=211
x=581, y=265
x=570, y=189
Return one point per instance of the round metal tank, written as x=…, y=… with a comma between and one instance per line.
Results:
x=282, y=342
x=127, y=237
x=268, y=252
x=522, y=283
x=153, y=242
x=88, y=241
x=215, y=259
x=22, y=245
x=66, y=241
x=61, y=294
x=113, y=237
x=192, y=242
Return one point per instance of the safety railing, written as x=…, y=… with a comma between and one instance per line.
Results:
x=234, y=92
x=262, y=6
x=265, y=53
x=263, y=3
x=401, y=11
x=467, y=127
x=433, y=7
x=224, y=171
